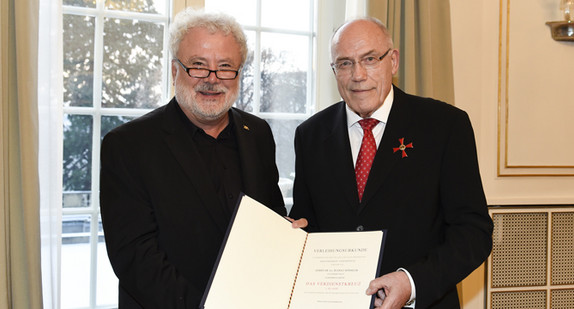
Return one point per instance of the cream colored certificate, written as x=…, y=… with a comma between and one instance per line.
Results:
x=265, y=263
x=336, y=269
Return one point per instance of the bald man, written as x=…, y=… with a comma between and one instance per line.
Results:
x=384, y=159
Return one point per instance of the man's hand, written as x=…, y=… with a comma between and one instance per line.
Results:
x=393, y=290
x=296, y=224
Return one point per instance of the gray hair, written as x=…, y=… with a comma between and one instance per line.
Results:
x=213, y=22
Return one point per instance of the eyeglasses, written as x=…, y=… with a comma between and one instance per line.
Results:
x=204, y=73
x=344, y=67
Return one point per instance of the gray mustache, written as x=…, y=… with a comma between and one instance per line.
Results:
x=210, y=87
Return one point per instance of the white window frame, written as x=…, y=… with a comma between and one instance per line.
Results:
x=96, y=111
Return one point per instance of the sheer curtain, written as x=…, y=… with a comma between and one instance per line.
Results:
x=50, y=147
x=20, y=284
x=421, y=32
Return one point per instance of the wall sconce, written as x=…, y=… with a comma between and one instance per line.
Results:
x=564, y=30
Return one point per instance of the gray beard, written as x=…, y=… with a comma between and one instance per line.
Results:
x=206, y=111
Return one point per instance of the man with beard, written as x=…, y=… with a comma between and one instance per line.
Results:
x=170, y=179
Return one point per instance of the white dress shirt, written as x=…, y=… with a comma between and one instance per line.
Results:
x=355, y=130
x=356, y=137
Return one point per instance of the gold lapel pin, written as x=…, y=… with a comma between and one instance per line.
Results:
x=245, y=127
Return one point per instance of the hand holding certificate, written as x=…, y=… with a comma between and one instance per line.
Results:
x=265, y=263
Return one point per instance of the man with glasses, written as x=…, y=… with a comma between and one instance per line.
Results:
x=170, y=179
x=384, y=159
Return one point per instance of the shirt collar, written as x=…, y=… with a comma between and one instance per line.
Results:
x=381, y=114
x=227, y=132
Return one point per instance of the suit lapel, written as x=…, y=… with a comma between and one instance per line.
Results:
x=398, y=126
x=337, y=143
x=187, y=155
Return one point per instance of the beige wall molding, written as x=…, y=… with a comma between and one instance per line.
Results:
x=536, y=102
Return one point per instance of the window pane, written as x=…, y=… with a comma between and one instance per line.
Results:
x=244, y=11
x=132, y=67
x=284, y=63
x=80, y=3
x=144, y=6
x=247, y=84
x=77, y=160
x=107, y=282
x=78, y=39
x=293, y=14
x=75, y=199
x=75, y=261
x=110, y=122
x=75, y=229
x=284, y=133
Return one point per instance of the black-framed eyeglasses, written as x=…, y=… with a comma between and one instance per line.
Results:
x=204, y=73
x=346, y=66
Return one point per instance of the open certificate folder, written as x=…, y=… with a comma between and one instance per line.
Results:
x=265, y=263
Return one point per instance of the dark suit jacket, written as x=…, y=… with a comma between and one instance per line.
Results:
x=431, y=202
x=162, y=219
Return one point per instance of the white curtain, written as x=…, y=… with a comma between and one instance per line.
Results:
x=50, y=95
x=355, y=8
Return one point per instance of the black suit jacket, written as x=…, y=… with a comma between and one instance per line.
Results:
x=431, y=202
x=162, y=219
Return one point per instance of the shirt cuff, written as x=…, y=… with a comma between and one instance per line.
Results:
x=411, y=302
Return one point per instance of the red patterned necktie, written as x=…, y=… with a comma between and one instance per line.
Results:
x=366, y=154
